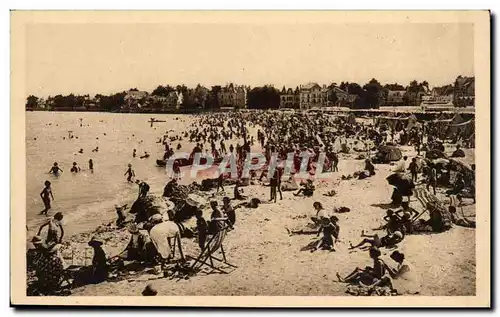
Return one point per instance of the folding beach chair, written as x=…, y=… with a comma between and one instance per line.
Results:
x=207, y=257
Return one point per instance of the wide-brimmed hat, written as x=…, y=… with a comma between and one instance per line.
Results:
x=398, y=234
x=156, y=218
x=95, y=241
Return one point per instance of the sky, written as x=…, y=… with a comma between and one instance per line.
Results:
x=109, y=58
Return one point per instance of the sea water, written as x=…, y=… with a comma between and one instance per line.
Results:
x=86, y=199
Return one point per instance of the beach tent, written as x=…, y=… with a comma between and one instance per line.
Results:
x=388, y=154
x=454, y=125
x=412, y=122
x=351, y=118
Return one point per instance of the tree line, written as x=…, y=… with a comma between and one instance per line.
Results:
x=369, y=96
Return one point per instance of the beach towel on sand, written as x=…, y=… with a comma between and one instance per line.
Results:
x=160, y=235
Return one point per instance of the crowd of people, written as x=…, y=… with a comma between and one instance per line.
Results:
x=278, y=136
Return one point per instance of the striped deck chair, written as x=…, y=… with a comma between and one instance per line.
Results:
x=207, y=257
x=424, y=196
x=431, y=203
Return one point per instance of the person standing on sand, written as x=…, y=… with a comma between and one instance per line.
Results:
x=432, y=178
x=46, y=194
x=91, y=166
x=55, y=232
x=413, y=168
x=130, y=173
x=134, y=153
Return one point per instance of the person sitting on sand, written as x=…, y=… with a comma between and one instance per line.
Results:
x=55, y=170
x=75, y=168
x=202, y=228
x=229, y=211
x=217, y=219
x=388, y=241
x=170, y=188
x=139, y=247
x=368, y=275
x=402, y=278
x=458, y=186
x=393, y=221
x=369, y=167
x=307, y=189
x=329, y=232
x=48, y=267
x=238, y=192
x=320, y=213
x=99, y=268
x=120, y=221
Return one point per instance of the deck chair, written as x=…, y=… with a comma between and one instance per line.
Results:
x=207, y=257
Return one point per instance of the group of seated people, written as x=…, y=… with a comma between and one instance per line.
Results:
x=400, y=278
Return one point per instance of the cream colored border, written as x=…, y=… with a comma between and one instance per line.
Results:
x=481, y=21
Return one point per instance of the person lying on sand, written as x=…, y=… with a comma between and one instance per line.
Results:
x=388, y=241
x=368, y=275
x=460, y=220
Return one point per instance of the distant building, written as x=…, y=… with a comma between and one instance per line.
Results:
x=173, y=101
x=234, y=96
x=289, y=98
x=464, y=92
x=134, y=100
x=313, y=95
x=344, y=99
x=395, y=98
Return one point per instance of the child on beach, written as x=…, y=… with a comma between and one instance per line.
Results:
x=45, y=195
x=130, y=173
x=55, y=170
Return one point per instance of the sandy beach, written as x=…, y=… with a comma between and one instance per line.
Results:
x=270, y=262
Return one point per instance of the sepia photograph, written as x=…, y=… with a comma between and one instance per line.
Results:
x=259, y=158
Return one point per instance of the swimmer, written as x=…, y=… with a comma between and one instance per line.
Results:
x=134, y=153
x=130, y=173
x=91, y=166
x=75, y=168
x=96, y=149
x=81, y=151
x=55, y=170
x=45, y=195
